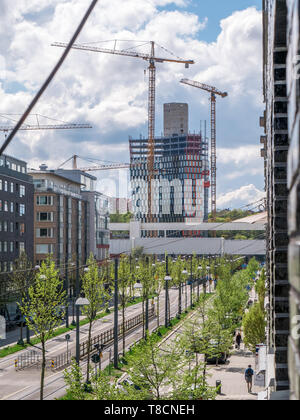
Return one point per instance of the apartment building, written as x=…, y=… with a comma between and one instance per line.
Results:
x=16, y=210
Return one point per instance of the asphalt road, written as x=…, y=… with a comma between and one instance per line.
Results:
x=24, y=385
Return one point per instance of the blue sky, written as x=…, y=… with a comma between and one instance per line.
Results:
x=110, y=92
x=215, y=10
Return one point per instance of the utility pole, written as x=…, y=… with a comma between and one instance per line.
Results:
x=77, y=312
x=191, y=281
x=116, y=332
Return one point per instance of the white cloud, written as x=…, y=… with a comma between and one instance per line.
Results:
x=111, y=91
x=239, y=197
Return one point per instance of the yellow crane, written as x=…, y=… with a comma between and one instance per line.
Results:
x=152, y=59
x=213, y=157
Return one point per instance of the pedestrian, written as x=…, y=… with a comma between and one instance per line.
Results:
x=248, y=377
x=238, y=340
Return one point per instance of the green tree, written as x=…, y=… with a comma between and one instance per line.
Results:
x=260, y=289
x=254, y=326
x=124, y=291
x=75, y=382
x=152, y=367
x=94, y=290
x=21, y=278
x=42, y=308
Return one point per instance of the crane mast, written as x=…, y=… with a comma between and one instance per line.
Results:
x=152, y=59
x=213, y=156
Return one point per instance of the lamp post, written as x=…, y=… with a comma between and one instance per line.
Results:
x=185, y=273
x=116, y=332
x=198, y=283
x=207, y=270
x=167, y=279
x=81, y=301
x=191, y=280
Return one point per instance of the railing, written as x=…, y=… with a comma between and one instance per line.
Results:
x=33, y=359
x=108, y=336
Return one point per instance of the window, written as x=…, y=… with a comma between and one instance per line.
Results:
x=11, y=187
x=5, y=205
x=44, y=248
x=11, y=227
x=1, y=184
x=22, y=209
x=22, y=229
x=21, y=247
x=5, y=226
x=44, y=200
x=22, y=191
x=0, y=205
x=11, y=207
x=44, y=233
x=45, y=217
x=11, y=247
x=5, y=185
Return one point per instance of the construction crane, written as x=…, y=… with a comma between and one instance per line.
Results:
x=152, y=59
x=95, y=168
x=213, y=92
x=33, y=127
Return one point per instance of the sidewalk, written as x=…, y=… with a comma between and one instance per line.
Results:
x=231, y=375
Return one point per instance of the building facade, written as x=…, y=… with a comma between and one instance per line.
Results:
x=281, y=156
x=16, y=209
x=61, y=219
x=181, y=182
x=176, y=119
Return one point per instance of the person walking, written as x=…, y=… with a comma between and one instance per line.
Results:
x=249, y=377
x=238, y=340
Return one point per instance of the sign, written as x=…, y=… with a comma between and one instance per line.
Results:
x=95, y=358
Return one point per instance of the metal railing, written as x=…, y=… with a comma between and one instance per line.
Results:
x=107, y=336
x=33, y=359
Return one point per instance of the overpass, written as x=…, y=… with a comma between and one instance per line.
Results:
x=186, y=245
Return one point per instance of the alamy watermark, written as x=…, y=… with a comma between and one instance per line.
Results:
x=295, y=331
x=2, y=328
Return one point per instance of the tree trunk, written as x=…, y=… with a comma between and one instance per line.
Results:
x=89, y=352
x=43, y=369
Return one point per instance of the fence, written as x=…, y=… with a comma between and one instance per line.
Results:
x=33, y=359
x=107, y=336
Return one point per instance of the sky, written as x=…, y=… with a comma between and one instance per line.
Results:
x=223, y=37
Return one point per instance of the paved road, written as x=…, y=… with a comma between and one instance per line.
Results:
x=24, y=385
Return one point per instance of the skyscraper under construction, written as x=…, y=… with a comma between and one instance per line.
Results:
x=181, y=172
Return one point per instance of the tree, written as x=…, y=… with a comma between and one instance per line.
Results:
x=21, y=278
x=260, y=289
x=75, y=382
x=254, y=326
x=42, y=309
x=94, y=290
x=152, y=367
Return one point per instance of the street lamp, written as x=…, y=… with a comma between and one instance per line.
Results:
x=185, y=273
x=81, y=301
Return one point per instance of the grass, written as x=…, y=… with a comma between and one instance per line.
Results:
x=59, y=331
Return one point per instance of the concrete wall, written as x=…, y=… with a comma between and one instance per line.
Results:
x=176, y=119
x=294, y=190
x=202, y=246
